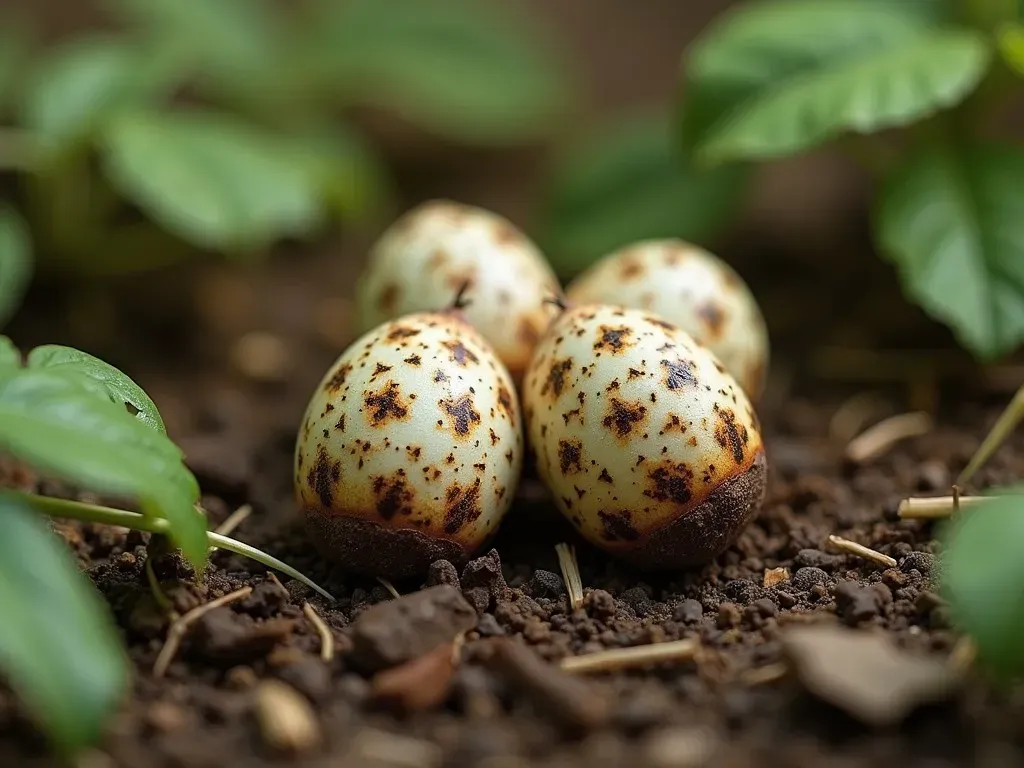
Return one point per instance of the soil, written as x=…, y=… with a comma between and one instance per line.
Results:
x=231, y=358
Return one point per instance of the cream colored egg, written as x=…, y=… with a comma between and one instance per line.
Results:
x=425, y=257
x=691, y=288
x=648, y=446
x=410, y=449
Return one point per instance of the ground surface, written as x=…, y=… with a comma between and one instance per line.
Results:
x=235, y=409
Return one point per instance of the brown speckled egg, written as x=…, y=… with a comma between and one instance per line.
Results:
x=410, y=449
x=431, y=251
x=690, y=288
x=647, y=444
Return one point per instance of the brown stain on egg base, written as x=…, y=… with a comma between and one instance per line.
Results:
x=462, y=506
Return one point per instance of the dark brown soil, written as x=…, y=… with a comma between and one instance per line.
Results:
x=235, y=412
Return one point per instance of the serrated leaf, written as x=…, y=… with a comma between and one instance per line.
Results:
x=58, y=646
x=775, y=78
x=83, y=82
x=15, y=262
x=212, y=180
x=952, y=219
x=627, y=183
x=61, y=422
x=470, y=70
x=119, y=388
x=981, y=576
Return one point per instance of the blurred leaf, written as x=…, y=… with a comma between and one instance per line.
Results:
x=627, y=183
x=470, y=70
x=15, y=262
x=214, y=181
x=351, y=176
x=773, y=78
x=120, y=389
x=981, y=576
x=86, y=80
x=952, y=219
x=58, y=645
x=62, y=422
x=231, y=45
x=1010, y=40
x=10, y=355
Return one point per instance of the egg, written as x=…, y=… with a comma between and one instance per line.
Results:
x=427, y=254
x=647, y=444
x=410, y=449
x=691, y=288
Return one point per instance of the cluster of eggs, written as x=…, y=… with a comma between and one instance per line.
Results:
x=633, y=390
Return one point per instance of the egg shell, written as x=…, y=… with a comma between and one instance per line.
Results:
x=422, y=260
x=648, y=446
x=410, y=449
x=692, y=289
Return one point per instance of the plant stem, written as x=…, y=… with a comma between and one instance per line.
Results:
x=1005, y=424
x=94, y=513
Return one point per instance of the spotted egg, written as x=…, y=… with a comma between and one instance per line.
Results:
x=691, y=288
x=432, y=250
x=646, y=443
x=410, y=449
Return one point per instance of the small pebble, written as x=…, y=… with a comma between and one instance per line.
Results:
x=806, y=578
x=856, y=604
x=545, y=584
x=728, y=615
x=918, y=561
x=689, y=611
x=815, y=558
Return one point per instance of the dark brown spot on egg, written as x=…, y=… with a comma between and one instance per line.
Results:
x=385, y=405
x=462, y=506
x=440, y=376
x=653, y=320
x=613, y=339
x=393, y=495
x=570, y=456
x=624, y=417
x=555, y=381
x=400, y=332
x=604, y=477
x=323, y=476
x=631, y=269
x=679, y=374
x=670, y=481
x=494, y=437
x=414, y=452
x=712, y=317
x=617, y=526
x=505, y=403
x=673, y=424
x=462, y=416
x=458, y=353
x=729, y=434
x=413, y=360
x=337, y=379
x=379, y=370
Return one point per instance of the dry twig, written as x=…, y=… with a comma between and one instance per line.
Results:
x=570, y=574
x=854, y=414
x=389, y=587
x=286, y=719
x=937, y=507
x=861, y=551
x=326, y=636
x=234, y=520
x=1005, y=424
x=874, y=441
x=769, y=673
x=180, y=626
x=627, y=658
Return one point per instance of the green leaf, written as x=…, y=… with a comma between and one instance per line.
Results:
x=212, y=180
x=981, y=576
x=231, y=46
x=85, y=81
x=1010, y=41
x=15, y=41
x=120, y=389
x=58, y=646
x=470, y=70
x=627, y=183
x=775, y=78
x=10, y=355
x=60, y=420
x=350, y=175
x=15, y=262
x=952, y=219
